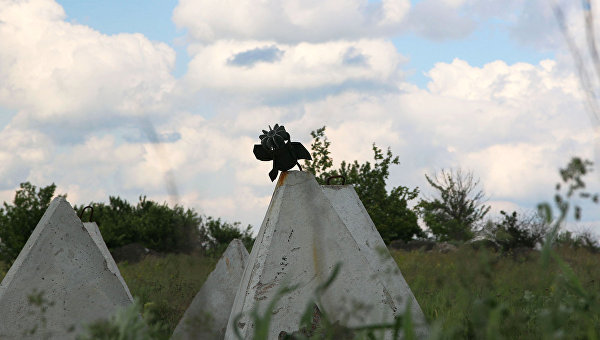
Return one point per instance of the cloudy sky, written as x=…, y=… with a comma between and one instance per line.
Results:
x=117, y=97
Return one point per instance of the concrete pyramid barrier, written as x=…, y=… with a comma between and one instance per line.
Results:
x=69, y=264
x=301, y=240
x=349, y=207
x=207, y=315
x=94, y=231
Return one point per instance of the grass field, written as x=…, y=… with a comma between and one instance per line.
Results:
x=465, y=294
x=461, y=291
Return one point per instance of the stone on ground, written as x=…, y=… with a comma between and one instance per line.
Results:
x=74, y=280
x=301, y=240
x=349, y=207
x=207, y=315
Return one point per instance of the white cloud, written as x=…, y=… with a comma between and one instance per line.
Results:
x=513, y=125
x=530, y=22
x=288, y=21
x=55, y=71
x=298, y=68
x=440, y=20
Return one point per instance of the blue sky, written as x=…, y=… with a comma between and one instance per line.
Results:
x=153, y=19
x=483, y=85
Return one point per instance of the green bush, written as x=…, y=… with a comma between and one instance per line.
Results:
x=18, y=220
x=156, y=226
x=583, y=239
x=515, y=231
x=126, y=324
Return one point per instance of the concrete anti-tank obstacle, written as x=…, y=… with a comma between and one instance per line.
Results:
x=349, y=207
x=67, y=262
x=94, y=231
x=207, y=315
x=301, y=240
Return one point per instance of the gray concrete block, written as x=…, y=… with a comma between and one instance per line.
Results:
x=349, y=207
x=301, y=240
x=207, y=315
x=94, y=231
x=65, y=261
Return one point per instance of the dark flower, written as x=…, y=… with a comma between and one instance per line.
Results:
x=274, y=138
x=275, y=145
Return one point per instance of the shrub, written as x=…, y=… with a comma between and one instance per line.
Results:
x=584, y=239
x=515, y=231
x=458, y=207
x=156, y=226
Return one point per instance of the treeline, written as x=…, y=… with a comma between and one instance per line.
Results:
x=456, y=213
x=156, y=226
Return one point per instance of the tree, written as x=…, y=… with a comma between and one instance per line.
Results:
x=156, y=226
x=453, y=215
x=216, y=235
x=388, y=210
x=17, y=221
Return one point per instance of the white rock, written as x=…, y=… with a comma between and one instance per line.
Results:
x=65, y=261
x=207, y=315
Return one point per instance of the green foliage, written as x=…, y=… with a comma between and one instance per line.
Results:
x=165, y=286
x=454, y=213
x=156, y=226
x=468, y=293
x=18, y=220
x=216, y=235
x=583, y=239
x=3, y=269
x=126, y=324
x=321, y=162
x=388, y=210
x=515, y=231
x=572, y=179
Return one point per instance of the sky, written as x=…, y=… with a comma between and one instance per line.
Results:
x=156, y=97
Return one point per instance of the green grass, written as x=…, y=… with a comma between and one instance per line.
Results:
x=3, y=270
x=461, y=290
x=467, y=294
x=166, y=286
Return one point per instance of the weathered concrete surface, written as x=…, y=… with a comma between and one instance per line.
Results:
x=62, y=260
x=301, y=240
x=347, y=204
x=94, y=231
x=207, y=315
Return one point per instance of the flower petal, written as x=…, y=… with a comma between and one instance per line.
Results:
x=278, y=141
